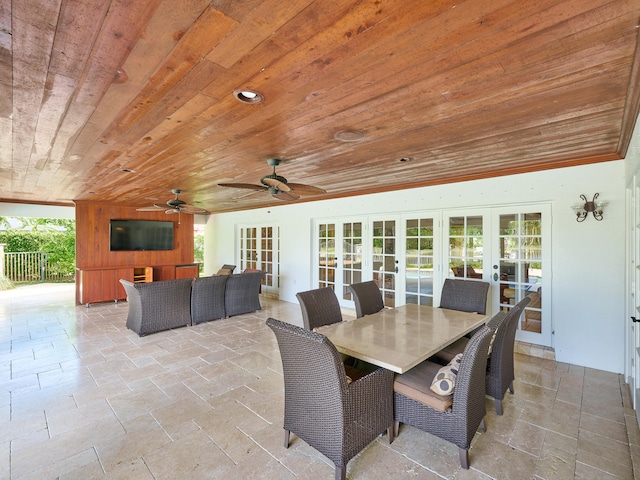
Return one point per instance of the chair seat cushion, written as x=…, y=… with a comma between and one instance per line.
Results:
x=450, y=351
x=416, y=383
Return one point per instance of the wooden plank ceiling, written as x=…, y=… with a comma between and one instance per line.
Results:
x=121, y=101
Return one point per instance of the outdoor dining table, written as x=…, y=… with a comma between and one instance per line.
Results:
x=400, y=338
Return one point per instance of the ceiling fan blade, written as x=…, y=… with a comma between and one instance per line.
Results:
x=250, y=186
x=302, y=189
x=154, y=208
x=193, y=210
x=286, y=196
x=274, y=182
x=172, y=210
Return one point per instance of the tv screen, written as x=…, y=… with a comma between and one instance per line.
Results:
x=141, y=235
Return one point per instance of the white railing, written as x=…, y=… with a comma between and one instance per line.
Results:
x=29, y=267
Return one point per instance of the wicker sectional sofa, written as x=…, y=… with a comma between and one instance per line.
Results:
x=163, y=305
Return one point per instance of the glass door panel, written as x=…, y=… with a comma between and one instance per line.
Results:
x=351, y=256
x=419, y=261
x=260, y=250
x=268, y=256
x=466, y=243
x=520, y=268
x=248, y=248
x=521, y=265
x=384, y=264
x=326, y=255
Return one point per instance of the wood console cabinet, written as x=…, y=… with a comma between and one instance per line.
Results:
x=101, y=284
x=94, y=285
x=142, y=274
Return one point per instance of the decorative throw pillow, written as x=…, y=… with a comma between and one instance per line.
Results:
x=445, y=380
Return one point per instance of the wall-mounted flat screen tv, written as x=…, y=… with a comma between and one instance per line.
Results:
x=141, y=235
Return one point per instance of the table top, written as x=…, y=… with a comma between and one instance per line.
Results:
x=400, y=338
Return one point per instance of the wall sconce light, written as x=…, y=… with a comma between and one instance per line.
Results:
x=594, y=206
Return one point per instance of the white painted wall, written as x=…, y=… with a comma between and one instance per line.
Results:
x=588, y=258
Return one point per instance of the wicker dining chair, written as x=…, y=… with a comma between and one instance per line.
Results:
x=500, y=368
x=456, y=417
x=319, y=307
x=335, y=417
x=367, y=298
x=464, y=295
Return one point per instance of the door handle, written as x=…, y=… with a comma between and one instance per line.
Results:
x=634, y=319
x=496, y=277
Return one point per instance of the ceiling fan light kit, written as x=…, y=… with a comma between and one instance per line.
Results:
x=278, y=186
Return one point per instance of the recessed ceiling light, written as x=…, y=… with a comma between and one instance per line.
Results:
x=349, y=135
x=405, y=159
x=248, y=96
x=127, y=170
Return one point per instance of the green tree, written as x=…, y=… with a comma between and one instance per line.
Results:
x=198, y=249
x=5, y=223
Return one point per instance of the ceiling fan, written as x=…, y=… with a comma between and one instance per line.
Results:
x=278, y=186
x=174, y=205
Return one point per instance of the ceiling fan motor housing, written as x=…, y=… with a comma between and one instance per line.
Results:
x=273, y=176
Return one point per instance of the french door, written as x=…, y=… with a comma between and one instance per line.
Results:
x=420, y=254
x=520, y=266
x=260, y=249
x=371, y=248
x=344, y=257
x=383, y=267
x=510, y=248
x=410, y=255
x=633, y=335
x=326, y=256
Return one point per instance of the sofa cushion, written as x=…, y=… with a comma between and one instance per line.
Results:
x=157, y=306
x=207, y=298
x=241, y=293
x=415, y=384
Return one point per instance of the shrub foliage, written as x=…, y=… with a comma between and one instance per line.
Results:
x=59, y=244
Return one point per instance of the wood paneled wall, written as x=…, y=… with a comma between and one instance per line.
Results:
x=92, y=237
